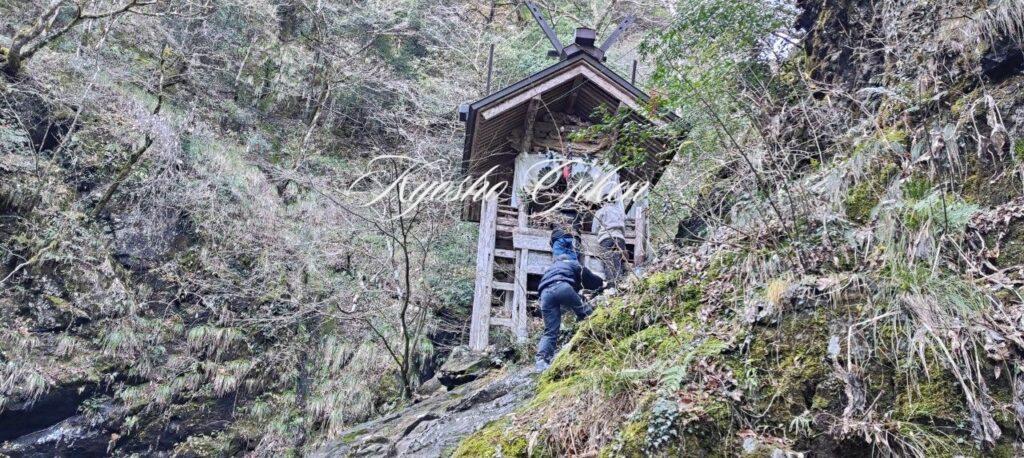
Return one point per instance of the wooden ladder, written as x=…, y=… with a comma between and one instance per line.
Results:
x=530, y=254
x=513, y=295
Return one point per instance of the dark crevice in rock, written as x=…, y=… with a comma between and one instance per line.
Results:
x=50, y=409
x=79, y=435
x=1002, y=62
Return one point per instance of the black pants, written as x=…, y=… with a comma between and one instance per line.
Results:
x=613, y=259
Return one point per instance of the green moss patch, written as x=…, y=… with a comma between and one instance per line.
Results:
x=497, y=439
x=861, y=199
x=936, y=400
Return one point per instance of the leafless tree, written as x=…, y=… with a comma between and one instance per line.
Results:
x=53, y=22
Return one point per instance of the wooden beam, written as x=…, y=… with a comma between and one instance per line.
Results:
x=497, y=321
x=501, y=286
x=527, y=240
x=519, y=320
x=548, y=31
x=490, y=70
x=479, y=327
x=507, y=254
x=507, y=305
x=618, y=32
x=640, y=242
x=536, y=269
x=583, y=69
x=537, y=263
x=531, y=117
x=611, y=88
x=519, y=294
x=570, y=103
x=537, y=90
x=540, y=240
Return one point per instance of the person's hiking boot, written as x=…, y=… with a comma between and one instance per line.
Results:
x=540, y=365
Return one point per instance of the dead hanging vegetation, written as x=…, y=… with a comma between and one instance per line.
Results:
x=176, y=231
x=861, y=291
x=990, y=25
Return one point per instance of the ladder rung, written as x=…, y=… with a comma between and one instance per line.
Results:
x=501, y=322
x=502, y=253
x=503, y=286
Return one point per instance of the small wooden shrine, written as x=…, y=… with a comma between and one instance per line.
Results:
x=516, y=131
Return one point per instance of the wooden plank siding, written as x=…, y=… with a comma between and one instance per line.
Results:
x=480, y=327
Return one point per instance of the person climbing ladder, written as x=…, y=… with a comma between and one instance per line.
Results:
x=610, y=227
x=559, y=291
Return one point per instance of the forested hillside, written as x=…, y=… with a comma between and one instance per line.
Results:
x=183, y=266
x=847, y=281
x=188, y=265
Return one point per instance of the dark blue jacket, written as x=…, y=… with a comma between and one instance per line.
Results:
x=563, y=243
x=571, y=272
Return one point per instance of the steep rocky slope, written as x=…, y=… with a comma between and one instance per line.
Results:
x=434, y=425
x=181, y=269
x=185, y=265
x=860, y=293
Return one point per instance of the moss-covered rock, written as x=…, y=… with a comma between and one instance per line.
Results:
x=935, y=400
x=692, y=390
x=860, y=201
x=631, y=440
x=987, y=182
x=862, y=198
x=497, y=439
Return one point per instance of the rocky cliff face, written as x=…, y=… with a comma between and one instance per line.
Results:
x=875, y=310
x=182, y=267
x=440, y=418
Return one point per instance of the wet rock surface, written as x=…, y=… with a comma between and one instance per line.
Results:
x=434, y=425
x=464, y=366
x=79, y=435
x=22, y=418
